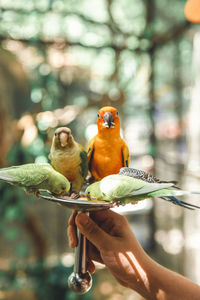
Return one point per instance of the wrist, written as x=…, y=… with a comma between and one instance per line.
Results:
x=144, y=268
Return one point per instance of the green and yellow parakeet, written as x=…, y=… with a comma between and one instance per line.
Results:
x=124, y=189
x=69, y=158
x=35, y=177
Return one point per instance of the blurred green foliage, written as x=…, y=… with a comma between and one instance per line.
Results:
x=47, y=283
x=76, y=56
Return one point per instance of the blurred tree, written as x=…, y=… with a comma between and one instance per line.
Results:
x=59, y=62
x=14, y=97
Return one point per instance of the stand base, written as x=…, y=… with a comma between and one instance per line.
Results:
x=80, y=283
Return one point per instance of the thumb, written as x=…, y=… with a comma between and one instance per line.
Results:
x=92, y=231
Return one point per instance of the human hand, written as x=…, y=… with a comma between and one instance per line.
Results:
x=111, y=242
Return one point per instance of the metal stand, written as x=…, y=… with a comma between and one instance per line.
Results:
x=80, y=281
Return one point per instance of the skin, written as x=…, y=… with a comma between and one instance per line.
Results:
x=112, y=243
x=107, y=152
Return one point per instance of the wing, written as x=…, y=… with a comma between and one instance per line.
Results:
x=29, y=175
x=34, y=179
x=125, y=155
x=151, y=187
x=84, y=162
x=140, y=174
x=119, y=186
x=90, y=150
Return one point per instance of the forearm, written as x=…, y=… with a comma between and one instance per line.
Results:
x=154, y=282
x=122, y=254
x=169, y=285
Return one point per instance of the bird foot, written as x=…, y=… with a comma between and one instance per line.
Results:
x=36, y=194
x=74, y=195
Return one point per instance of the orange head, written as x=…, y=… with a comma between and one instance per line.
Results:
x=108, y=120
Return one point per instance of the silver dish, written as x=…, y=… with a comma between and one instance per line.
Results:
x=80, y=204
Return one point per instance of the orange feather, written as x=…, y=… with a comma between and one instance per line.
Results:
x=107, y=152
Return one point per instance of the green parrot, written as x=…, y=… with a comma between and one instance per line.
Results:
x=35, y=177
x=69, y=158
x=122, y=189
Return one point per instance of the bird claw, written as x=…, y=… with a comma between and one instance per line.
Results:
x=74, y=195
x=36, y=194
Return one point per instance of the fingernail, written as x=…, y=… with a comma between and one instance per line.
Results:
x=83, y=219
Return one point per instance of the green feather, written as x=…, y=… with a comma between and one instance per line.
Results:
x=119, y=186
x=124, y=189
x=33, y=177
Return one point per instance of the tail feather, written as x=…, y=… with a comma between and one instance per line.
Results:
x=176, y=201
x=179, y=192
x=194, y=192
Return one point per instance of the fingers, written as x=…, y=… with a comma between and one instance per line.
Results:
x=92, y=231
x=107, y=214
x=71, y=220
x=93, y=253
x=90, y=266
x=102, y=215
x=102, y=224
x=72, y=237
x=111, y=222
x=73, y=242
x=71, y=231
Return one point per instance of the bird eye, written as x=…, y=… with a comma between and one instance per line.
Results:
x=88, y=193
x=55, y=134
x=98, y=116
x=117, y=114
x=63, y=188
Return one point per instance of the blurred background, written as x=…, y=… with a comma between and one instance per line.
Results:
x=60, y=61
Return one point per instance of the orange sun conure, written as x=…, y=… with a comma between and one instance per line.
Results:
x=107, y=151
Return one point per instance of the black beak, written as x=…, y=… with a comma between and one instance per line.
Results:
x=108, y=120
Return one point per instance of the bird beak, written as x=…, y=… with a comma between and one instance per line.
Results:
x=108, y=120
x=63, y=136
x=90, y=198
